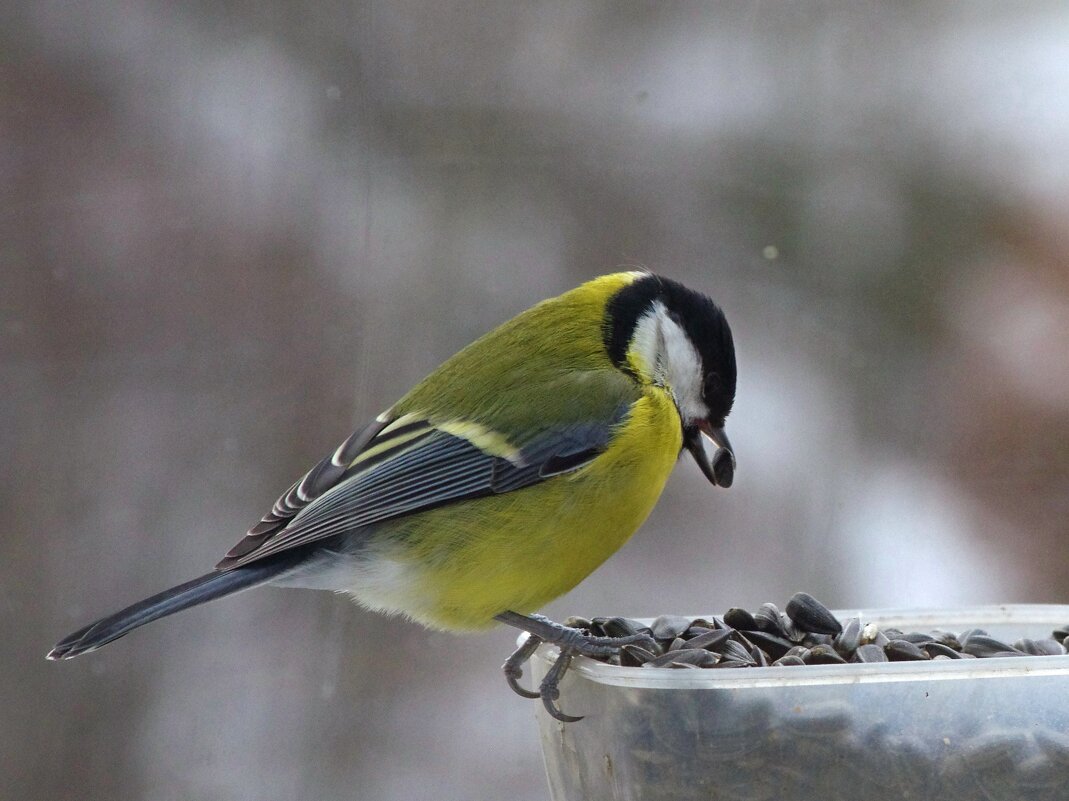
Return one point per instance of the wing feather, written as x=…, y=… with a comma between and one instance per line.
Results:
x=406, y=466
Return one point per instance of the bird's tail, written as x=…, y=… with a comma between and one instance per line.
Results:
x=208, y=587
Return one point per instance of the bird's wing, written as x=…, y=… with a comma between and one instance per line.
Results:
x=410, y=464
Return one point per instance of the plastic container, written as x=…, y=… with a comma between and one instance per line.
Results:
x=995, y=728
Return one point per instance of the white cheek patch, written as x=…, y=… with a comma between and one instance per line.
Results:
x=668, y=357
x=647, y=343
x=684, y=368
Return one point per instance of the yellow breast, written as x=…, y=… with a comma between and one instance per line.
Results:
x=468, y=561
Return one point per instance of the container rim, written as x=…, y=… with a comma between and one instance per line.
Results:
x=885, y=672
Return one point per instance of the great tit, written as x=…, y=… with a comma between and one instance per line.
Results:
x=502, y=479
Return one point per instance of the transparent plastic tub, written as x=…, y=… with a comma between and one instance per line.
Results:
x=994, y=728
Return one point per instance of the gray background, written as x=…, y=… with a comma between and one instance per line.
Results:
x=231, y=232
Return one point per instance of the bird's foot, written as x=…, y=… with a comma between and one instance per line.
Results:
x=571, y=641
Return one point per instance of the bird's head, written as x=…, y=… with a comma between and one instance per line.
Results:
x=662, y=333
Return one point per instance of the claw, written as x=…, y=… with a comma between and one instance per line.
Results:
x=572, y=642
x=550, y=690
x=513, y=667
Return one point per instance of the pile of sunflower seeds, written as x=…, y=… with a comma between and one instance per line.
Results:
x=719, y=747
x=947, y=740
x=807, y=633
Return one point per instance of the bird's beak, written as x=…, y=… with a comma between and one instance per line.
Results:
x=721, y=470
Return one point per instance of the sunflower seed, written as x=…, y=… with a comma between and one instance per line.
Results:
x=772, y=644
x=937, y=649
x=870, y=652
x=850, y=637
x=730, y=649
x=710, y=639
x=688, y=656
x=904, y=651
x=946, y=638
x=982, y=645
x=791, y=631
x=767, y=618
x=618, y=627
x=738, y=618
x=824, y=655
x=1045, y=647
x=694, y=631
x=668, y=627
x=705, y=623
x=809, y=614
x=635, y=655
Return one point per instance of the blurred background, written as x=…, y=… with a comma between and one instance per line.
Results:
x=231, y=232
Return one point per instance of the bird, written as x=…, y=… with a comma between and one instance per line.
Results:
x=502, y=479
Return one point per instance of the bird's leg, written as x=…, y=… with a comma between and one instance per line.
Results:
x=575, y=640
x=571, y=642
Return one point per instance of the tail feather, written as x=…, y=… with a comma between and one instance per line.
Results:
x=208, y=587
